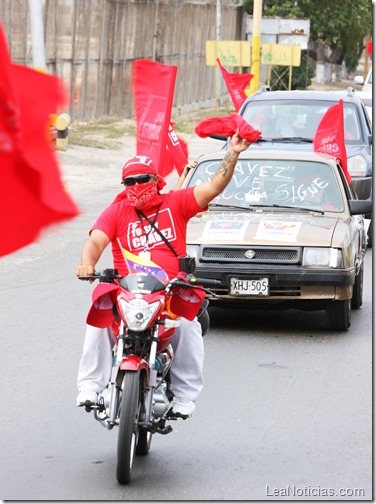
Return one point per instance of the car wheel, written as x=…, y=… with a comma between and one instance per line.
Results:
x=357, y=296
x=338, y=315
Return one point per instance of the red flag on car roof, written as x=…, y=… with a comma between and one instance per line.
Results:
x=153, y=91
x=330, y=136
x=236, y=84
x=32, y=193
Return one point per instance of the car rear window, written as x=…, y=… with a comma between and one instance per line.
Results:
x=299, y=184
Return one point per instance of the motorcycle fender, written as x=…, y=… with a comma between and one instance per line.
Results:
x=133, y=363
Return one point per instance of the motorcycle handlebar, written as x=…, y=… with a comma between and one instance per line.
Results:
x=108, y=275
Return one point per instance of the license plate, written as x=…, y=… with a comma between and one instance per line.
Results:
x=244, y=287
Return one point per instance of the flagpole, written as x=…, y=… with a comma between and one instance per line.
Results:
x=256, y=36
x=217, y=74
x=37, y=34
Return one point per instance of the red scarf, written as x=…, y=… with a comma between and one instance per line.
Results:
x=143, y=196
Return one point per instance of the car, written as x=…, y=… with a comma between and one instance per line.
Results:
x=287, y=232
x=366, y=98
x=289, y=120
x=367, y=84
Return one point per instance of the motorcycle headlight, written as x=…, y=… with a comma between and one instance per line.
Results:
x=138, y=313
x=322, y=257
x=357, y=166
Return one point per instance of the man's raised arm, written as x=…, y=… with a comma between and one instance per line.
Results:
x=205, y=192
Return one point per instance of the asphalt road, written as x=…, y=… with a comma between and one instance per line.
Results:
x=286, y=411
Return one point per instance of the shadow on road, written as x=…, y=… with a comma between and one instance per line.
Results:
x=278, y=320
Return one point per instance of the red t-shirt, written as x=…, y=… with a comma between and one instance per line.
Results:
x=120, y=220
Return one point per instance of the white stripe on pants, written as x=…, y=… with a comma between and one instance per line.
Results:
x=96, y=361
x=186, y=370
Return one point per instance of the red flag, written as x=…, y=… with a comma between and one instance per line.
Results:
x=153, y=90
x=176, y=155
x=235, y=83
x=330, y=136
x=32, y=194
x=227, y=126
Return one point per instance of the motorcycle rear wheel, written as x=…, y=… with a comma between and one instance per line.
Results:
x=128, y=427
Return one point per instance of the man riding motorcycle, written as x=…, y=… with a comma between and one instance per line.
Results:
x=134, y=218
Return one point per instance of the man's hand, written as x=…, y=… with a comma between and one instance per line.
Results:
x=238, y=144
x=85, y=270
x=187, y=168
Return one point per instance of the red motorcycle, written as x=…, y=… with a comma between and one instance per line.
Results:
x=143, y=310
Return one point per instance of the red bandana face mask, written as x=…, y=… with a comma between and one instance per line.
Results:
x=143, y=196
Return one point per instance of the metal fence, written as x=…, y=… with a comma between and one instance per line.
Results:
x=91, y=45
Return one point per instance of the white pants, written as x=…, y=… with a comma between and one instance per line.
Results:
x=186, y=371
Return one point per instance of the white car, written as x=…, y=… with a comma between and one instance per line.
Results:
x=367, y=84
x=287, y=232
x=367, y=100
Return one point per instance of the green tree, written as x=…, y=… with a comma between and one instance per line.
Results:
x=340, y=24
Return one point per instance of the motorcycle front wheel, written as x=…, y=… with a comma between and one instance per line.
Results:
x=128, y=426
x=144, y=436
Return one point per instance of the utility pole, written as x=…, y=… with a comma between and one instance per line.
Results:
x=37, y=34
x=256, y=51
x=218, y=37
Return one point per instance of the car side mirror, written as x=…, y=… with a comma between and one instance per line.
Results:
x=360, y=207
x=359, y=79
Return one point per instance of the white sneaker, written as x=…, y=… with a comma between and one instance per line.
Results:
x=183, y=407
x=87, y=398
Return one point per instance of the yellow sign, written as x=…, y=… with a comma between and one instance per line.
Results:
x=236, y=53
x=281, y=54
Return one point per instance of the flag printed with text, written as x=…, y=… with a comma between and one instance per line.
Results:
x=330, y=136
x=176, y=155
x=153, y=91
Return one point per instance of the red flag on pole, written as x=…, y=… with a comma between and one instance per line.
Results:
x=176, y=153
x=32, y=193
x=153, y=91
x=236, y=84
x=330, y=136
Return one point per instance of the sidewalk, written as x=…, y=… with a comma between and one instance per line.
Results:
x=335, y=86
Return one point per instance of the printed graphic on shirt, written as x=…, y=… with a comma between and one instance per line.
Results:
x=137, y=263
x=141, y=234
